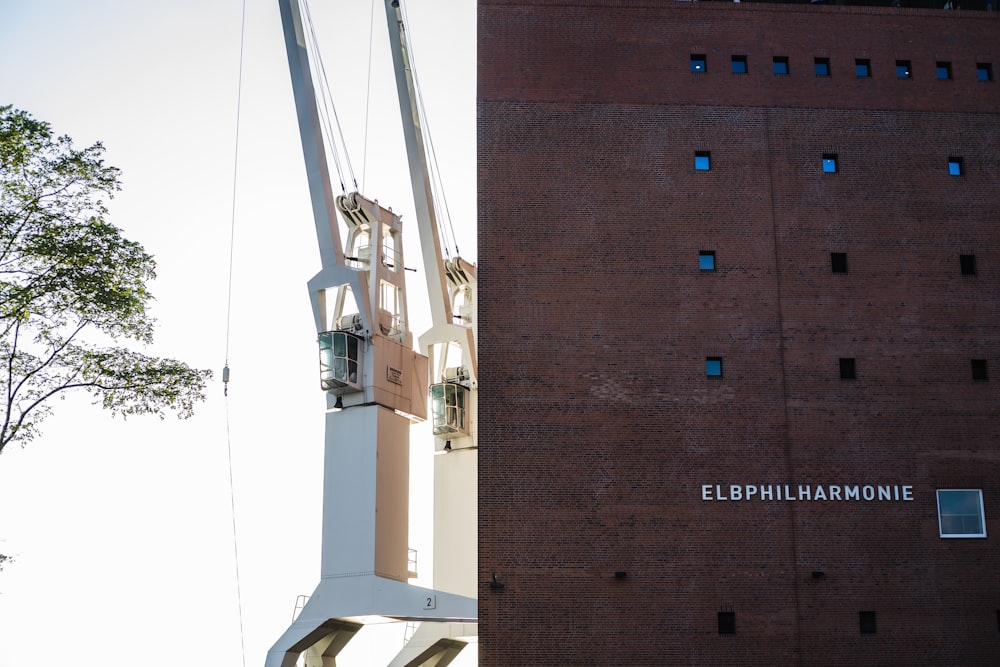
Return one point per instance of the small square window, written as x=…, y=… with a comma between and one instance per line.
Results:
x=706, y=260
x=838, y=262
x=984, y=71
x=967, y=264
x=698, y=63
x=829, y=163
x=847, y=371
x=960, y=513
x=979, y=370
x=903, y=70
x=867, y=619
x=739, y=65
x=780, y=65
x=943, y=70
x=822, y=67
x=713, y=366
x=727, y=622
x=863, y=68
x=955, y=166
x=702, y=160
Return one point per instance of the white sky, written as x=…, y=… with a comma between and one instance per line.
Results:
x=123, y=531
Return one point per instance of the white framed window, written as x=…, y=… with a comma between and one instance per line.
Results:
x=960, y=513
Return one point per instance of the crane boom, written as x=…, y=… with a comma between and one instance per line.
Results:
x=423, y=197
x=449, y=279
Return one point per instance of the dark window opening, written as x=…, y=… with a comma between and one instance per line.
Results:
x=713, y=366
x=698, y=63
x=968, y=264
x=955, y=166
x=727, y=622
x=822, y=67
x=863, y=68
x=984, y=71
x=739, y=65
x=943, y=70
x=838, y=262
x=867, y=619
x=781, y=65
x=979, y=373
x=847, y=371
x=903, y=69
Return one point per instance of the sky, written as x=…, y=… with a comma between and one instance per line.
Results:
x=123, y=531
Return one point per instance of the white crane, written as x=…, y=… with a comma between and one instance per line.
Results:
x=450, y=346
x=376, y=386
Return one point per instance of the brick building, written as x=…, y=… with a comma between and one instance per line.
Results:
x=733, y=254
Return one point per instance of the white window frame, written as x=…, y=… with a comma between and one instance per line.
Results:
x=982, y=515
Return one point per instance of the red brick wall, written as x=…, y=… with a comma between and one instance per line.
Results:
x=598, y=425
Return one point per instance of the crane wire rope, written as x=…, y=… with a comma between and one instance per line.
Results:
x=229, y=309
x=326, y=107
x=446, y=231
x=368, y=92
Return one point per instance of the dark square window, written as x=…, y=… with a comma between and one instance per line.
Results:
x=943, y=69
x=867, y=619
x=822, y=67
x=984, y=71
x=739, y=64
x=702, y=160
x=903, y=69
x=968, y=264
x=829, y=163
x=847, y=371
x=979, y=373
x=706, y=260
x=863, y=68
x=727, y=622
x=780, y=65
x=838, y=262
x=955, y=166
x=698, y=63
x=713, y=366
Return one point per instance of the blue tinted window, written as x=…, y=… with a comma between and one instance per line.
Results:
x=698, y=63
x=822, y=67
x=706, y=260
x=863, y=68
x=903, y=70
x=984, y=72
x=739, y=64
x=960, y=513
x=781, y=65
x=943, y=70
x=955, y=166
x=830, y=163
x=713, y=366
x=702, y=160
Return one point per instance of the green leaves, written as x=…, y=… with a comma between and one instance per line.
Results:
x=65, y=272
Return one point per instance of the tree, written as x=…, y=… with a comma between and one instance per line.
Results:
x=71, y=288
